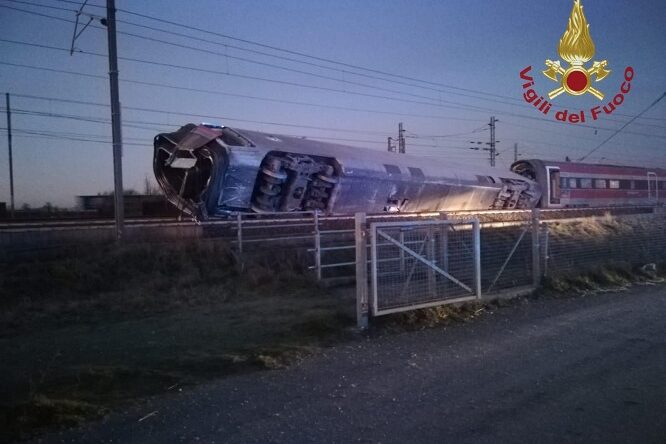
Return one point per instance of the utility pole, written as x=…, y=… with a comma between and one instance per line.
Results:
x=115, y=119
x=391, y=147
x=401, y=139
x=492, y=141
x=11, y=161
x=492, y=145
x=515, y=152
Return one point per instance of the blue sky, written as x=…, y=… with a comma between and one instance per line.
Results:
x=479, y=46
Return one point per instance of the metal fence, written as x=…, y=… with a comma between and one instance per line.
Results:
x=413, y=256
x=576, y=246
x=423, y=263
x=508, y=252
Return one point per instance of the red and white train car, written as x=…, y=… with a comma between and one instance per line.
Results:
x=572, y=185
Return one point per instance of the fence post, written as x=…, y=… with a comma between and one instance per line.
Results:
x=430, y=254
x=444, y=246
x=360, y=238
x=402, y=252
x=317, y=245
x=444, y=250
x=476, y=229
x=545, y=249
x=536, y=255
x=239, y=232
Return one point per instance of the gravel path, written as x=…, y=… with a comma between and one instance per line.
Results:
x=587, y=370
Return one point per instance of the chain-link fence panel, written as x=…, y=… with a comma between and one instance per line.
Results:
x=419, y=264
x=506, y=257
x=589, y=244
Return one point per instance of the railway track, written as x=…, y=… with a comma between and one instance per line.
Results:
x=250, y=219
x=295, y=218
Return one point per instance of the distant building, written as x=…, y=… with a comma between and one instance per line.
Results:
x=136, y=205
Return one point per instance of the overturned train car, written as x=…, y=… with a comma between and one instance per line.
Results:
x=211, y=171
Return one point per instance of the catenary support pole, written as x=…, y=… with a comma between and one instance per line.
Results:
x=119, y=206
x=492, y=141
x=11, y=159
x=515, y=152
x=401, y=139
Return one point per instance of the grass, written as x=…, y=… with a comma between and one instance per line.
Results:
x=592, y=254
x=603, y=277
x=88, y=331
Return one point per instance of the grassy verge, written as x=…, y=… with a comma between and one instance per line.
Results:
x=603, y=278
x=92, y=330
x=86, y=332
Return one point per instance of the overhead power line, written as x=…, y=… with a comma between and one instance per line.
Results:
x=466, y=108
x=470, y=108
x=483, y=95
x=72, y=137
x=245, y=96
x=155, y=126
x=198, y=49
x=165, y=124
x=624, y=126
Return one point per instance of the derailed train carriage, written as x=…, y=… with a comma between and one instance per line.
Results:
x=211, y=171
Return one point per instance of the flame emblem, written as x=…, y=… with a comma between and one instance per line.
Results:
x=577, y=48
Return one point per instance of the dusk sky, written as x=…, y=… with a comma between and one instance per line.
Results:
x=443, y=68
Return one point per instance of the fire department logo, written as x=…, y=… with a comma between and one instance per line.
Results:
x=577, y=48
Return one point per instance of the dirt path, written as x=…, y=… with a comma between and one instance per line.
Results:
x=550, y=370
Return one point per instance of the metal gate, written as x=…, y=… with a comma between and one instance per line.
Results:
x=423, y=263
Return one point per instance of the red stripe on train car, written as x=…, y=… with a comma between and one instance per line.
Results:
x=612, y=170
x=586, y=193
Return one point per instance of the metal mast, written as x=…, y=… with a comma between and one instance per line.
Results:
x=492, y=141
x=401, y=139
x=11, y=161
x=115, y=119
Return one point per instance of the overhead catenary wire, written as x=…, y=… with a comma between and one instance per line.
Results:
x=623, y=127
x=470, y=108
x=571, y=135
x=484, y=94
x=154, y=126
x=107, y=122
x=73, y=137
x=98, y=104
x=519, y=116
x=444, y=104
x=245, y=96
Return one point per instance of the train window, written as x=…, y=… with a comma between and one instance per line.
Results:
x=554, y=176
x=392, y=169
x=231, y=137
x=416, y=172
x=640, y=184
x=600, y=183
x=573, y=182
x=586, y=183
x=615, y=184
x=564, y=182
x=625, y=185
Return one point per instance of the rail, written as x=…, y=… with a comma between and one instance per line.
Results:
x=258, y=218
